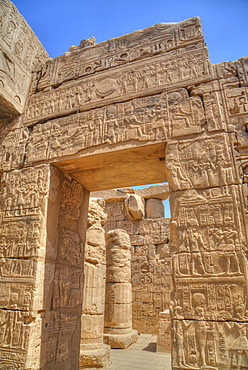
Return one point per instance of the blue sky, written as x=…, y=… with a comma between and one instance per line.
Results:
x=62, y=23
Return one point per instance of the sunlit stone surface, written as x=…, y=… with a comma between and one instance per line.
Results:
x=142, y=108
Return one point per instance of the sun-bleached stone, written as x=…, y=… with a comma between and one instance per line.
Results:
x=118, y=331
x=147, y=107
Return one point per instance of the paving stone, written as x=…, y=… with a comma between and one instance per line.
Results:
x=137, y=357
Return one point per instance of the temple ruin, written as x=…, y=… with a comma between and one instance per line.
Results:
x=143, y=108
x=140, y=212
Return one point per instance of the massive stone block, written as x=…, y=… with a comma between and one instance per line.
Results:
x=21, y=53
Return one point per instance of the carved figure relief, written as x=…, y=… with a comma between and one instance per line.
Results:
x=200, y=163
x=209, y=254
x=13, y=149
x=22, y=193
x=186, y=114
x=143, y=119
x=242, y=66
x=20, y=52
x=204, y=344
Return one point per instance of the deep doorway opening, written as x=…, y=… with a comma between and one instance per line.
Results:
x=82, y=175
x=148, y=230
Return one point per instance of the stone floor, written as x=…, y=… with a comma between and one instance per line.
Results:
x=140, y=356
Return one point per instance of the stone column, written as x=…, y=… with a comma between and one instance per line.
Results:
x=118, y=332
x=93, y=352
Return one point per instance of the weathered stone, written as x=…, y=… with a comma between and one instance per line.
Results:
x=164, y=332
x=150, y=256
x=160, y=191
x=135, y=207
x=147, y=107
x=115, y=340
x=118, y=332
x=21, y=54
x=93, y=352
x=154, y=208
x=97, y=357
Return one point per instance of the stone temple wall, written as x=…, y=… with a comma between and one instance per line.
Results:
x=143, y=108
x=143, y=219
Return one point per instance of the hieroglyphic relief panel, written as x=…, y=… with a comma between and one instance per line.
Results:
x=18, y=37
x=214, y=206
x=120, y=84
x=13, y=337
x=208, y=231
x=235, y=97
x=242, y=66
x=61, y=331
x=236, y=101
x=67, y=286
x=23, y=200
x=63, y=318
x=210, y=270
x=213, y=105
x=34, y=289
x=204, y=344
x=186, y=114
x=151, y=270
x=12, y=149
x=109, y=125
x=201, y=162
x=209, y=265
x=23, y=192
x=20, y=52
x=90, y=57
x=150, y=118
x=67, y=282
x=225, y=99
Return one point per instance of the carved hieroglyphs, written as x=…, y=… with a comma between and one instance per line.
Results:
x=164, y=332
x=20, y=54
x=142, y=108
